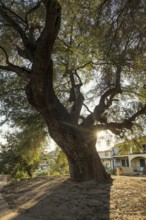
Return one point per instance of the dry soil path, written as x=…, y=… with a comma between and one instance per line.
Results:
x=8, y=214
x=57, y=198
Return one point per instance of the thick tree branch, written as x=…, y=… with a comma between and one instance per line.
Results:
x=45, y=43
x=21, y=71
x=5, y=14
x=117, y=128
x=76, y=108
x=76, y=97
x=5, y=52
x=105, y=100
x=28, y=41
x=24, y=53
x=31, y=10
x=5, y=68
x=13, y=13
x=140, y=112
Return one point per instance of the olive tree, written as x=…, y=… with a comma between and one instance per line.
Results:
x=102, y=42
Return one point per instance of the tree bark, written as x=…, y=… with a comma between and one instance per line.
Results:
x=83, y=159
x=78, y=143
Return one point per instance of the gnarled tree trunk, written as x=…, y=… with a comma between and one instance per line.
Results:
x=79, y=147
x=78, y=143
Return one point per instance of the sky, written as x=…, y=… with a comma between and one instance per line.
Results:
x=3, y=129
x=105, y=140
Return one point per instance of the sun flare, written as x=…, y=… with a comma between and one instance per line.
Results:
x=104, y=140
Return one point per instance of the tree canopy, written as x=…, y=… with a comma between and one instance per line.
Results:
x=102, y=42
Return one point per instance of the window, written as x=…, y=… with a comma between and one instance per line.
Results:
x=106, y=153
x=142, y=162
x=127, y=161
x=123, y=163
x=144, y=148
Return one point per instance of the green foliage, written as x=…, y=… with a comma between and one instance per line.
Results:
x=21, y=154
x=60, y=164
x=93, y=40
x=136, y=144
x=57, y=161
x=16, y=166
x=41, y=173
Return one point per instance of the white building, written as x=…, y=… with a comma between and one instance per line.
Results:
x=107, y=158
x=135, y=160
x=132, y=162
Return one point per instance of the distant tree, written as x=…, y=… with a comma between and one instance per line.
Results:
x=16, y=166
x=101, y=44
x=21, y=155
x=59, y=163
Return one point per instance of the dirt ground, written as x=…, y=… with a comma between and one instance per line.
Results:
x=57, y=198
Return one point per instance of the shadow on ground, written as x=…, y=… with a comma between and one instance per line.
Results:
x=59, y=199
